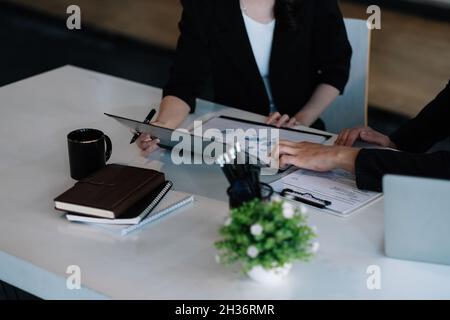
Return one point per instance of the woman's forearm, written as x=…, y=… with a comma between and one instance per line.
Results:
x=172, y=112
x=321, y=99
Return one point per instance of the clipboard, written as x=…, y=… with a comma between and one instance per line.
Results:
x=165, y=136
x=292, y=130
x=333, y=192
x=224, y=123
x=306, y=198
x=284, y=133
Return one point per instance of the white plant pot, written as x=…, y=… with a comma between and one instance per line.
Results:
x=269, y=277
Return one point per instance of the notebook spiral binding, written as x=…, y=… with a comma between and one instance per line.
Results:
x=158, y=199
x=159, y=215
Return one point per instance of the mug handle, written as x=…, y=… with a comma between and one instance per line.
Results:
x=108, y=148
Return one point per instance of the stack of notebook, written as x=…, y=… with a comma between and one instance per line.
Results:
x=116, y=194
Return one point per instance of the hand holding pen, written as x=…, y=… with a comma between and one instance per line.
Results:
x=147, y=120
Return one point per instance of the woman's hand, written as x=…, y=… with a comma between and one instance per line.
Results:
x=172, y=112
x=349, y=136
x=147, y=144
x=279, y=120
x=316, y=157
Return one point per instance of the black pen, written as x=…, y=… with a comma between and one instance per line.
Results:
x=146, y=121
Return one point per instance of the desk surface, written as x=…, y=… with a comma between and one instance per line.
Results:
x=174, y=258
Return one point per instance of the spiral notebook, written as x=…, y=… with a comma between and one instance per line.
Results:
x=135, y=214
x=171, y=204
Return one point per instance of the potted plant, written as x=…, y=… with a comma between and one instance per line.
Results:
x=266, y=238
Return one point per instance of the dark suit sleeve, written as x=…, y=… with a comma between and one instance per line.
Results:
x=429, y=127
x=371, y=165
x=191, y=69
x=331, y=45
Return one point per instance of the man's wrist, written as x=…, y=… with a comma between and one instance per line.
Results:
x=392, y=145
x=346, y=157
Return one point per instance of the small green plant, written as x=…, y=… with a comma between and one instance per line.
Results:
x=270, y=235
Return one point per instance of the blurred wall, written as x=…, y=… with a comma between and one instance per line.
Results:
x=409, y=57
x=445, y=3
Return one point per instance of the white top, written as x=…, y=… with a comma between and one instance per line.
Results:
x=261, y=39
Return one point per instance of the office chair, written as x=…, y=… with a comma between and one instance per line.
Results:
x=350, y=109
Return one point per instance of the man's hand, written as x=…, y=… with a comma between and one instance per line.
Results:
x=316, y=157
x=349, y=136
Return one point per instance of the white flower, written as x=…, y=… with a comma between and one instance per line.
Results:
x=252, y=252
x=217, y=259
x=276, y=198
x=288, y=214
x=315, y=247
x=228, y=221
x=256, y=230
x=303, y=209
x=288, y=210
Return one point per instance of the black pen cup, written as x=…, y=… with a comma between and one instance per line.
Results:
x=237, y=197
x=89, y=150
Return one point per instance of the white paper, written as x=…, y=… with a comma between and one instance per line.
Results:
x=261, y=145
x=337, y=186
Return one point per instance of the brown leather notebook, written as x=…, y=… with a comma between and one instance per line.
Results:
x=110, y=192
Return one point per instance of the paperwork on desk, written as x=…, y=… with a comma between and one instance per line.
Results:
x=338, y=187
x=263, y=144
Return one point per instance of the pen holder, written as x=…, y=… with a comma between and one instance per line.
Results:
x=238, y=196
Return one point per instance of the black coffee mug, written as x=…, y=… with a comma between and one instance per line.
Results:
x=89, y=150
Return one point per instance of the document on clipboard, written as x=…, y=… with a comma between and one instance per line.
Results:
x=260, y=138
x=170, y=139
x=334, y=192
x=224, y=123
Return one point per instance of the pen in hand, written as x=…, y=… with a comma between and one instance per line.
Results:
x=146, y=121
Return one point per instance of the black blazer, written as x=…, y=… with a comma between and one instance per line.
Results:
x=214, y=42
x=418, y=135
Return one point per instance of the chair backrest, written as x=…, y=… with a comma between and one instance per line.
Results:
x=350, y=109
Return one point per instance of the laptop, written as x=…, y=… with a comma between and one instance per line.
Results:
x=417, y=219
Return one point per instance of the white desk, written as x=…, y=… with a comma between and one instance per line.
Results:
x=175, y=258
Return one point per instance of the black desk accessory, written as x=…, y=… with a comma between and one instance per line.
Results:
x=244, y=178
x=147, y=120
x=89, y=150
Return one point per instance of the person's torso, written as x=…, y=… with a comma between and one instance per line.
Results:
x=244, y=65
